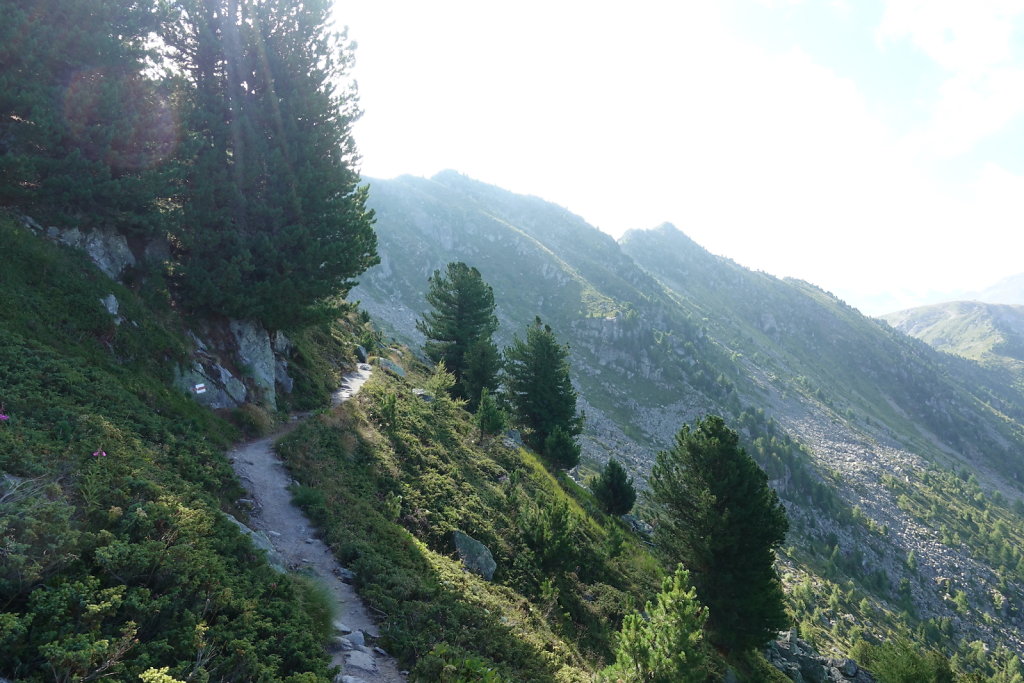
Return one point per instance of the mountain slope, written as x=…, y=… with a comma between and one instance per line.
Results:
x=859, y=427
x=990, y=333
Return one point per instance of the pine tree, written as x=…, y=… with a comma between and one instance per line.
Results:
x=489, y=417
x=720, y=519
x=666, y=645
x=83, y=132
x=561, y=449
x=483, y=362
x=614, y=489
x=275, y=225
x=459, y=329
x=539, y=388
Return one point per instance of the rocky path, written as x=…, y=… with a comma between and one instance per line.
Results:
x=293, y=537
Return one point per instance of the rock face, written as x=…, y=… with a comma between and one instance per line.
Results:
x=222, y=389
x=799, y=661
x=257, y=355
x=107, y=249
x=475, y=555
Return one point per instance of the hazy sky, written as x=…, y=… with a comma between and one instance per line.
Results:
x=872, y=147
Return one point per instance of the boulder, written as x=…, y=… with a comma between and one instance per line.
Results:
x=108, y=249
x=361, y=354
x=474, y=555
x=799, y=662
x=391, y=366
x=357, y=659
x=111, y=304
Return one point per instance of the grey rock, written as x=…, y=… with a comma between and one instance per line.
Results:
x=391, y=366
x=361, y=660
x=256, y=354
x=111, y=304
x=281, y=343
x=848, y=668
x=106, y=248
x=345, y=678
x=813, y=671
x=223, y=390
x=109, y=251
x=346, y=575
x=474, y=555
x=357, y=638
x=792, y=670
x=274, y=558
x=380, y=651
x=281, y=376
x=513, y=438
x=361, y=354
x=32, y=225
x=422, y=393
x=341, y=627
x=344, y=644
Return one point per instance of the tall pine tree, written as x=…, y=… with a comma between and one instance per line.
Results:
x=720, y=519
x=83, y=132
x=541, y=394
x=459, y=329
x=275, y=224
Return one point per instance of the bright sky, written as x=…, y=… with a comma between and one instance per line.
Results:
x=872, y=147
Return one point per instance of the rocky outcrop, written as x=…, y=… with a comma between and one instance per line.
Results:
x=475, y=555
x=256, y=355
x=799, y=661
x=108, y=249
x=211, y=384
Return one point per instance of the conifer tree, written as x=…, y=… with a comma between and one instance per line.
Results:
x=83, y=133
x=459, y=329
x=720, y=519
x=275, y=224
x=666, y=644
x=490, y=419
x=614, y=489
x=541, y=393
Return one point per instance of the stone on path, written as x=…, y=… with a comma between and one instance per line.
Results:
x=357, y=659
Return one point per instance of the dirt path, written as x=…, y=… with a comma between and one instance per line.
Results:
x=292, y=535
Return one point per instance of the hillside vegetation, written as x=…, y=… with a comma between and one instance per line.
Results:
x=116, y=556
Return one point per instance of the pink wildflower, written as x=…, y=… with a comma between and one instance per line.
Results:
x=4, y=418
x=99, y=454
